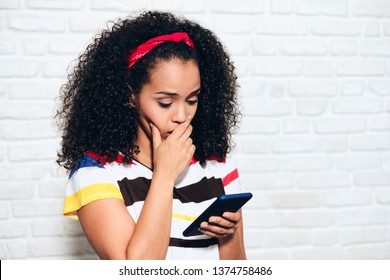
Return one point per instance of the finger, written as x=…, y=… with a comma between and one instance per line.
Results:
x=232, y=216
x=181, y=128
x=215, y=231
x=156, y=137
x=221, y=222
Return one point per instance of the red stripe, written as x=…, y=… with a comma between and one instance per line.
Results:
x=193, y=160
x=230, y=177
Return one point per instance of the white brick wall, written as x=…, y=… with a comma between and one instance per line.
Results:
x=314, y=145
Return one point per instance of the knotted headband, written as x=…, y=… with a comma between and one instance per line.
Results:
x=140, y=51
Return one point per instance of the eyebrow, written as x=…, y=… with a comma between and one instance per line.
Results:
x=173, y=94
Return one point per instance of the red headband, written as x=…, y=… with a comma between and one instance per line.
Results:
x=137, y=53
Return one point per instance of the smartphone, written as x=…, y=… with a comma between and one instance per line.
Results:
x=224, y=203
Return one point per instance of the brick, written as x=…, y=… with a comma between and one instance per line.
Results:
x=360, y=67
x=322, y=7
x=11, y=69
x=42, y=208
x=363, y=216
x=34, y=91
x=26, y=110
x=278, y=67
x=234, y=7
x=17, y=249
x=46, y=247
x=303, y=47
x=370, y=142
x=319, y=68
x=356, y=235
x=52, y=188
x=47, y=227
x=322, y=180
x=35, y=46
x=336, y=125
x=21, y=172
x=331, y=253
x=371, y=178
x=313, y=88
x=126, y=6
x=296, y=125
x=267, y=254
x=15, y=190
x=37, y=23
x=380, y=87
x=352, y=87
x=287, y=238
x=55, y=69
x=55, y=5
x=10, y=4
x=312, y=107
x=28, y=130
x=344, y=47
x=258, y=164
x=294, y=144
x=281, y=7
x=233, y=25
x=379, y=251
x=380, y=123
x=275, y=26
x=253, y=125
x=357, y=105
x=382, y=195
x=7, y=46
x=333, y=144
x=12, y=229
x=72, y=228
x=268, y=181
x=342, y=198
x=252, y=87
x=325, y=237
x=237, y=46
x=375, y=8
x=40, y=150
x=267, y=107
x=306, y=163
x=386, y=28
x=372, y=29
x=352, y=162
x=71, y=45
x=3, y=252
x=87, y=24
x=262, y=219
x=309, y=219
x=295, y=200
x=335, y=27
x=373, y=48
x=253, y=238
x=4, y=213
x=262, y=46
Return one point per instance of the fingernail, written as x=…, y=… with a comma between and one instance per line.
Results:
x=189, y=117
x=225, y=215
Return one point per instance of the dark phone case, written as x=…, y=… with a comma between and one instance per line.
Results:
x=224, y=203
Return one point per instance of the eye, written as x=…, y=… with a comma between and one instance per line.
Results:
x=192, y=102
x=164, y=105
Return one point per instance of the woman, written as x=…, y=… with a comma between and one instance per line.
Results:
x=147, y=117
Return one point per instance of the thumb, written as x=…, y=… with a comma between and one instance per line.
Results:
x=156, y=137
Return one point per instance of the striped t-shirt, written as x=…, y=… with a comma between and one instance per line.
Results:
x=195, y=189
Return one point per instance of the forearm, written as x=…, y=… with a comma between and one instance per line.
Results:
x=232, y=247
x=150, y=239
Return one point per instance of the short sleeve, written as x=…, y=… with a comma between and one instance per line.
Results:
x=86, y=185
x=231, y=178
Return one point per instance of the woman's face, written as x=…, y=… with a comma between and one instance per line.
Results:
x=170, y=96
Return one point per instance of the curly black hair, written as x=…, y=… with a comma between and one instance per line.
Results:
x=95, y=115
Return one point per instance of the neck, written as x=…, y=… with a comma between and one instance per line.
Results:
x=144, y=143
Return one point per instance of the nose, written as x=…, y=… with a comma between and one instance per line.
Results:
x=179, y=114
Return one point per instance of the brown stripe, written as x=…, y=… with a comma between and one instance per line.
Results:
x=137, y=189
x=192, y=243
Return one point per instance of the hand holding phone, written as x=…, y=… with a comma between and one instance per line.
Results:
x=224, y=203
